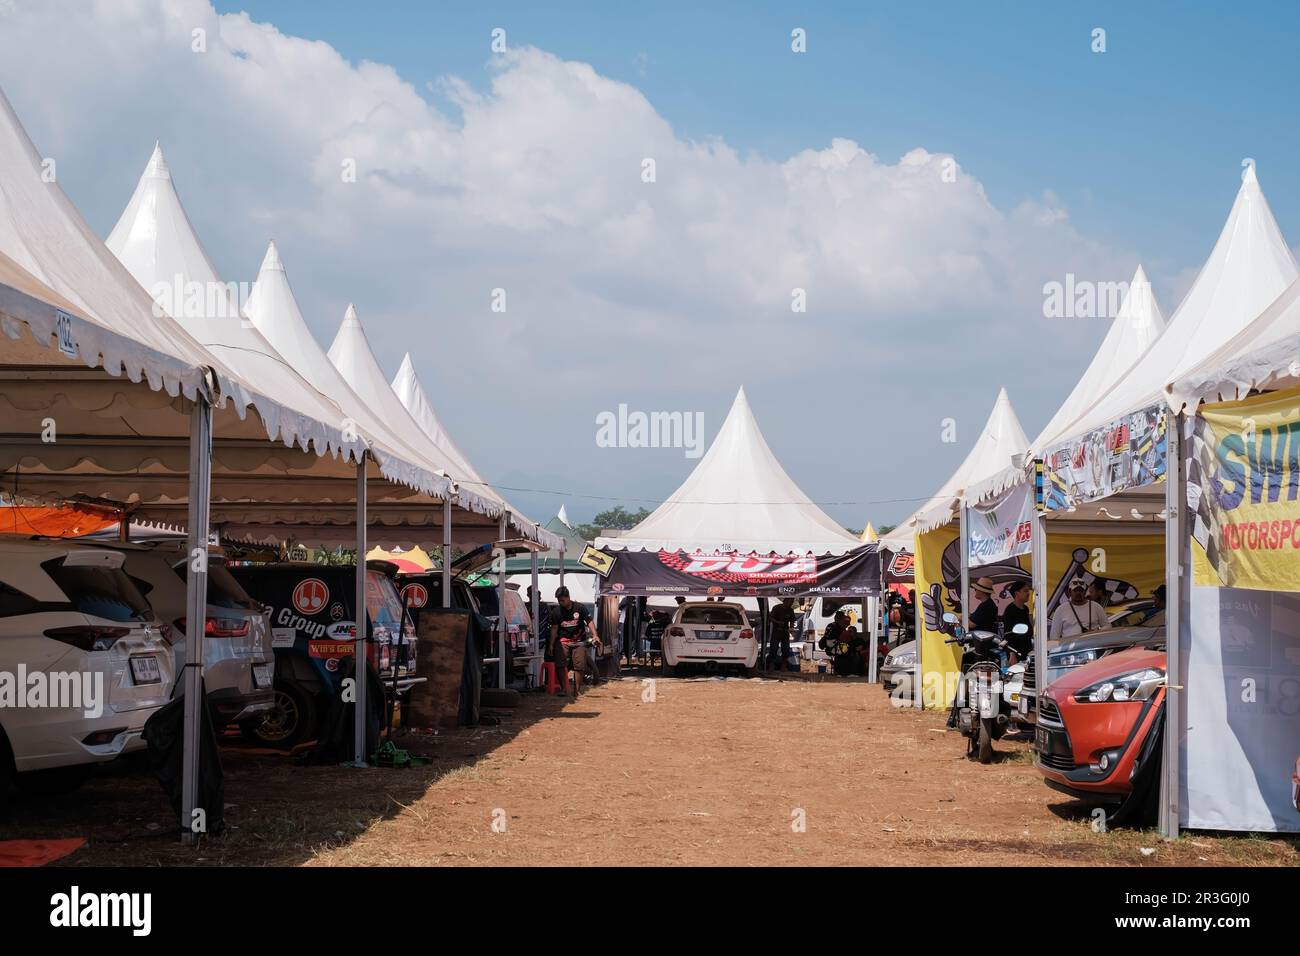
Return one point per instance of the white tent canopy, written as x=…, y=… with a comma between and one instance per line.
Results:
x=156, y=242
x=1001, y=445
x=738, y=498
x=1265, y=355
x=1137, y=325
x=274, y=311
x=406, y=385
x=109, y=320
x=1248, y=268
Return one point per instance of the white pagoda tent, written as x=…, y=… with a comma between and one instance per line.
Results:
x=1248, y=268
x=738, y=498
x=1001, y=446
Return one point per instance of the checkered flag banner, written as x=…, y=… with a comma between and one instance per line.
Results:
x=1201, y=468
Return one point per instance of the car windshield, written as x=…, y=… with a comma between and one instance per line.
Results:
x=223, y=589
x=717, y=614
x=383, y=603
x=516, y=610
x=100, y=591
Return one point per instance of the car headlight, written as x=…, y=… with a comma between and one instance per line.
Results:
x=1071, y=658
x=1137, y=685
x=902, y=660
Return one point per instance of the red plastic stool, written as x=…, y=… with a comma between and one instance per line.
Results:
x=553, y=684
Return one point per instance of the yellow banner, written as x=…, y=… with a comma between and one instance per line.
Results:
x=1242, y=482
x=1125, y=567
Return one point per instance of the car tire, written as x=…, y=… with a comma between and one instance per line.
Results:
x=293, y=719
x=56, y=780
x=986, y=740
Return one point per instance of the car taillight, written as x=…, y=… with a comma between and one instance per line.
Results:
x=225, y=627
x=385, y=657
x=88, y=637
x=747, y=634
x=218, y=626
x=676, y=631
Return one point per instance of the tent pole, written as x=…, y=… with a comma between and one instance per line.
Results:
x=446, y=552
x=196, y=610
x=872, y=619
x=1176, y=604
x=361, y=670
x=562, y=563
x=502, y=628
x=536, y=612
x=1038, y=571
x=965, y=567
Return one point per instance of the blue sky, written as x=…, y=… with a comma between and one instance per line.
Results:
x=1182, y=93
x=776, y=170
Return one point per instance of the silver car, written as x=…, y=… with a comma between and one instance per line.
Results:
x=238, y=661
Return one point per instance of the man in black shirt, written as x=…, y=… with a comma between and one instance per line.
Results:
x=985, y=615
x=781, y=617
x=570, y=625
x=1017, y=612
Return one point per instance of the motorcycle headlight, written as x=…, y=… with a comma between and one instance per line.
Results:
x=1071, y=658
x=1137, y=685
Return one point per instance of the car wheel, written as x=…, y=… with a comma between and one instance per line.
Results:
x=56, y=780
x=986, y=740
x=291, y=720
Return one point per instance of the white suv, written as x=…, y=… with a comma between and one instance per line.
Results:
x=83, y=662
x=711, y=633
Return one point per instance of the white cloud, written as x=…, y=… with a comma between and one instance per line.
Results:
x=665, y=295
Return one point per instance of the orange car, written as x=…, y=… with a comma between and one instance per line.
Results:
x=1099, y=733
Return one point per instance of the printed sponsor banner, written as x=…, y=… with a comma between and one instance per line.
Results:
x=900, y=567
x=1243, y=476
x=1001, y=528
x=1127, y=453
x=856, y=573
x=1240, y=732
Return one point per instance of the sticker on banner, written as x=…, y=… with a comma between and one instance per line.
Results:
x=310, y=596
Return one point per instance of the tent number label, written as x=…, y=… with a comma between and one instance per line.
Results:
x=66, y=344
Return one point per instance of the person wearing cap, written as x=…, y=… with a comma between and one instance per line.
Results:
x=1159, y=606
x=1078, y=615
x=570, y=624
x=985, y=615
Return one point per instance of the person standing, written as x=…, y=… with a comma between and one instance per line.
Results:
x=780, y=619
x=1078, y=615
x=1017, y=612
x=985, y=615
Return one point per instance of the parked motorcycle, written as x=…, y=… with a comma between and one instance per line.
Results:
x=982, y=709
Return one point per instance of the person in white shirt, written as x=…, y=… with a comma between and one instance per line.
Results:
x=1077, y=615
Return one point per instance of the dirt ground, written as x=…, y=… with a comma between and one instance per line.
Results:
x=702, y=772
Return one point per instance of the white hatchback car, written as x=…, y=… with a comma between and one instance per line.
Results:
x=711, y=633
x=83, y=663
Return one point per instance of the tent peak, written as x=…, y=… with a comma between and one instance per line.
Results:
x=563, y=516
x=1248, y=177
x=350, y=315
x=157, y=167
x=271, y=262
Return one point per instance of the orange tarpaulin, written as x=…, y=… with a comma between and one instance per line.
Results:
x=69, y=522
x=37, y=852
